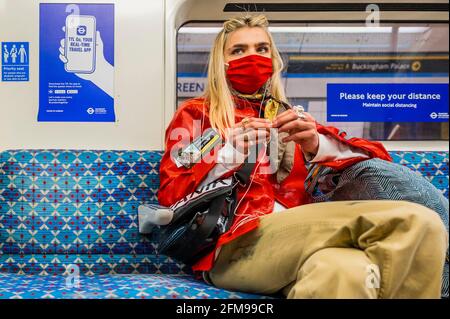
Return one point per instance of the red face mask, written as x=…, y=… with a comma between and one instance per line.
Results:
x=248, y=74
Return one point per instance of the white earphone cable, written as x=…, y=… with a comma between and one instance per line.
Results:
x=249, y=217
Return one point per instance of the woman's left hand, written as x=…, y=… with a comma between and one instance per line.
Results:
x=301, y=131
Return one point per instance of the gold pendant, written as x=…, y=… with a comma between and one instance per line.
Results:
x=271, y=110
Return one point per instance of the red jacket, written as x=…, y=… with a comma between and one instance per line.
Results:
x=175, y=183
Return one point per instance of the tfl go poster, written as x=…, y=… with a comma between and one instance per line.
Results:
x=76, y=61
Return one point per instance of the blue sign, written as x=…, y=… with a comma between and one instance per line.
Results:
x=76, y=61
x=15, y=61
x=387, y=102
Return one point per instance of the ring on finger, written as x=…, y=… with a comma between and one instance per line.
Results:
x=299, y=110
x=245, y=121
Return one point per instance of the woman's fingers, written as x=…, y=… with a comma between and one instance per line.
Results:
x=300, y=136
x=253, y=136
x=284, y=117
x=239, y=131
x=289, y=120
x=248, y=132
x=254, y=119
x=309, y=117
x=296, y=125
x=254, y=122
x=242, y=141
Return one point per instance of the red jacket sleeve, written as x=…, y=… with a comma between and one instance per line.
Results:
x=374, y=149
x=177, y=182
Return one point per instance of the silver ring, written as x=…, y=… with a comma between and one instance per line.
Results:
x=299, y=110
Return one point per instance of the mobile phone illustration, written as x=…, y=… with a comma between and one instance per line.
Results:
x=80, y=43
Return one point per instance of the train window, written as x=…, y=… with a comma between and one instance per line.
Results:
x=317, y=54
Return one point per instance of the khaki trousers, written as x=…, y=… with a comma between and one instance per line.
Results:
x=347, y=249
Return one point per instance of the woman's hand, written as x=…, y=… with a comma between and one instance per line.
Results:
x=250, y=131
x=301, y=131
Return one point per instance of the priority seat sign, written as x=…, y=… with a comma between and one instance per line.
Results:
x=15, y=61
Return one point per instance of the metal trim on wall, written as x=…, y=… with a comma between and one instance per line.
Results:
x=333, y=7
x=425, y=21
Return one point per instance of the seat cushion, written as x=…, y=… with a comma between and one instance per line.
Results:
x=77, y=205
x=432, y=165
x=129, y=286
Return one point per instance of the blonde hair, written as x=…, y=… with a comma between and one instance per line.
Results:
x=217, y=93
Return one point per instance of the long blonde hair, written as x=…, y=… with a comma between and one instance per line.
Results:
x=217, y=93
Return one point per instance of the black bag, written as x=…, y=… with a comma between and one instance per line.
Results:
x=201, y=217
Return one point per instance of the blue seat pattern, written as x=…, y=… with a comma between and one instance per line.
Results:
x=136, y=286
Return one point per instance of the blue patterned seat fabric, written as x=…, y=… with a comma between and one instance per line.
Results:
x=137, y=286
x=69, y=207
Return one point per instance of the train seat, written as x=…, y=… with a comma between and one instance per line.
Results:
x=70, y=212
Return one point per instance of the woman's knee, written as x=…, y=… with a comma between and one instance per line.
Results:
x=337, y=272
x=426, y=219
x=335, y=263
